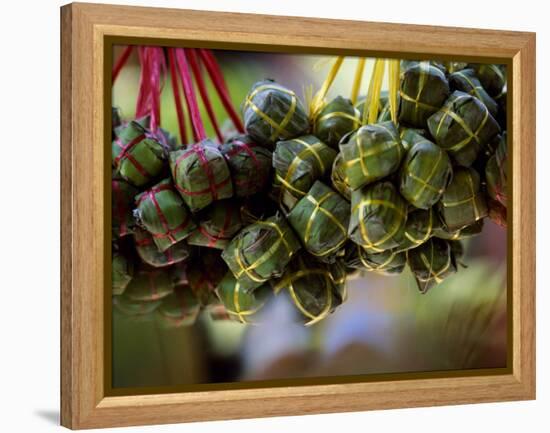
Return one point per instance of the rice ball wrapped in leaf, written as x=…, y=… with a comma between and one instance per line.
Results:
x=335, y=120
x=149, y=285
x=338, y=178
x=387, y=262
x=272, y=112
x=261, y=251
x=378, y=217
x=218, y=224
x=139, y=309
x=463, y=233
x=204, y=273
x=162, y=212
x=431, y=263
x=201, y=174
x=241, y=305
x=122, y=271
x=321, y=220
x=249, y=165
x=466, y=81
x=371, y=153
x=149, y=253
x=424, y=174
x=137, y=157
x=424, y=89
x=462, y=127
x=298, y=163
x=180, y=308
x=311, y=288
x=492, y=77
x=463, y=203
x=421, y=225
x=496, y=172
x=122, y=203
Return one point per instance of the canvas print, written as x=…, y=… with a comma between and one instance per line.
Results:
x=283, y=216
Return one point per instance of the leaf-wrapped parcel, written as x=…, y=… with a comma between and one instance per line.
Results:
x=218, y=224
x=137, y=157
x=149, y=253
x=335, y=120
x=387, y=262
x=424, y=174
x=378, y=217
x=421, y=226
x=249, y=164
x=466, y=81
x=321, y=220
x=261, y=251
x=149, y=285
x=162, y=212
x=464, y=233
x=122, y=202
x=201, y=174
x=272, y=112
x=492, y=77
x=122, y=273
x=496, y=172
x=298, y=163
x=463, y=203
x=243, y=306
x=311, y=288
x=180, y=308
x=371, y=153
x=338, y=178
x=424, y=89
x=431, y=263
x=462, y=127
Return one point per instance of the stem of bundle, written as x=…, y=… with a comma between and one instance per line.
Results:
x=177, y=97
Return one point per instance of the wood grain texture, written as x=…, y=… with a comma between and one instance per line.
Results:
x=84, y=29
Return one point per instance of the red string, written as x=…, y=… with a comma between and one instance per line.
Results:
x=177, y=96
x=219, y=83
x=125, y=154
x=121, y=62
x=153, y=67
x=193, y=62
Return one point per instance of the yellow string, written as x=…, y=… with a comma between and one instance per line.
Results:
x=318, y=100
x=373, y=95
x=394, y=71
x=357, y=80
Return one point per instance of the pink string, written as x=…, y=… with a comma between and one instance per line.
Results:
x=177, y=96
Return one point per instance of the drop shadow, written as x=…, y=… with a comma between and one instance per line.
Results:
x=50, y=415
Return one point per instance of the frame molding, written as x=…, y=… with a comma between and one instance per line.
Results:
x=84, y=28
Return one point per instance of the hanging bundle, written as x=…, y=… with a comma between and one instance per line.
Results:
x=149, y=253
x=122, y=201
x=371, y=153
x=466, y=81
x=161, y=211
x=149, y=285
x=421, y=225
x=378, y=217
x=218, y=224
x=298, y=164
x=122, y=271
x=272, y=112
x=463, y=203
x=424, y=174
x=179, y=309
x=335, y=120
x=249, y=165
x=462, y=127
x=261, y=251
x=492, y=77
x=387, y=262
x=321, y=220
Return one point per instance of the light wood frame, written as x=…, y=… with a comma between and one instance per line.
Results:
x=85, y=27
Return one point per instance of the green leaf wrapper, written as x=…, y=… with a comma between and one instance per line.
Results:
x=463, y=233
x=496, y=173
x=431, y=263
x=421, y=226
x=492, y=77
x=200, y=174
x=388, y=262
x=180, y=308
x=272, y=112
x=384, y=114
x=261, y=251
x=204, y=273
x=371, y=153
x=321, y=220
x=462, y=127
x=129, y=307
x=338, y=178
x=311, y=288
x=411, y=136
x=424, y=174
x=466, y=81
x=122, y=273
x=162, y=212
x=298, y=163
x=242, y=305
x=335, y=120
x=122, y=202
x=378, y=217
x=423, y=91
x=219, y=223
x=249, y=164
x=138, y=158
x=149, y=285
x=462, y=203
x=149, y=253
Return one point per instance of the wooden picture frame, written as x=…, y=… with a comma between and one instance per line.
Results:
x=88, y=31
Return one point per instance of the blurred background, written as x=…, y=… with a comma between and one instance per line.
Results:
x=386, y=325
